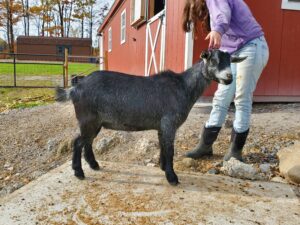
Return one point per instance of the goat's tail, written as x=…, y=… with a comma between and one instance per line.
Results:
x=62, y=95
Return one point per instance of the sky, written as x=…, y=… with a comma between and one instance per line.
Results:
x=19, y=29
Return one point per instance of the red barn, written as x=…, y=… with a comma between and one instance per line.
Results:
x=145, y=36
x=52, y=45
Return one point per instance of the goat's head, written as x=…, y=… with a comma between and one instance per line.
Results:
x=217, y=65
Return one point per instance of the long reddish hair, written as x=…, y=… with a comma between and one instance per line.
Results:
x=195, y=12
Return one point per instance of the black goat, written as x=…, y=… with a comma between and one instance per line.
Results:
x=124, y=102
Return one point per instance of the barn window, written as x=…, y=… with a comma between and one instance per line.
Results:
x=137, y=12
x=109, y=39
x=60, y=49
x=291, y=4
x=155, y=7
x=123, y=26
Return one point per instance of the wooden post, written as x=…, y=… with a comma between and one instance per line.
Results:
x=15, y=71
x=66, y=68
x=106, y=60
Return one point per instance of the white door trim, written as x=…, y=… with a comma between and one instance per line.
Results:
x=188, y=50
x=101, y=51
x=163, y=39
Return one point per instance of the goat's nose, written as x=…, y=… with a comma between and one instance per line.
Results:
x=229, y=75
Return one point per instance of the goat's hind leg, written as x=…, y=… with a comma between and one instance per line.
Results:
x=88, y=148
x=88, y=132
x=89, y=157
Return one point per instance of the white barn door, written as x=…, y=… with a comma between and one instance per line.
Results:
x=155, y=43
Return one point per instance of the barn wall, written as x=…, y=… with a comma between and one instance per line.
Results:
x=47, y=45
x=175, y=36
x=280, y=80
x=128, y=57
x=36, y=49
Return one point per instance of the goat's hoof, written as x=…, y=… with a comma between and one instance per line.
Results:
x=175, y=183
x=95, y=166
x=79, y=174
x=172, y=179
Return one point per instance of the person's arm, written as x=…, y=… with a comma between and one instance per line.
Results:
x=220, y=16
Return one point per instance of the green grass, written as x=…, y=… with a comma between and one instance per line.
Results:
x=46, y=70
x=41, y=74
x=34, y=75
x=12, y=98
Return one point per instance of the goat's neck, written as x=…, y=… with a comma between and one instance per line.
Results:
x=195, y=80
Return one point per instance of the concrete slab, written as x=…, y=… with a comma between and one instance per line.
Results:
x=128, y=194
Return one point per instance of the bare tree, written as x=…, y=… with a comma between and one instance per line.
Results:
x=80, y=13
x=52, y=17
x=26, y=16
x=2, y=16
x=95, y=15
x=48, y=18
x=68, y=17
x=63, y=8
x=36, y=12
x=11, y=14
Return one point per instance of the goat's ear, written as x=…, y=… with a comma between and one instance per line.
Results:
x=205, y=54
x=236, y=59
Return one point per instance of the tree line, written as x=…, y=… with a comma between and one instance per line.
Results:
x=50, y=18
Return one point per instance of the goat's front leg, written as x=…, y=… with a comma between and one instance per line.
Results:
x=168, y=136
x=76, y=160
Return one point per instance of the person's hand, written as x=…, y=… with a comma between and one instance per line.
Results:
x=214, y=39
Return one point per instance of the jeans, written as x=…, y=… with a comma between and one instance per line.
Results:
x=245, y=77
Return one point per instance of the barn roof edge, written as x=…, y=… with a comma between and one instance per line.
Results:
x=110, y=14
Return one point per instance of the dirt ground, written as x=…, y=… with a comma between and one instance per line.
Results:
x=34, y=141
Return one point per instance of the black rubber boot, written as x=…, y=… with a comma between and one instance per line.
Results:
x=204, y=148
x=238, y=141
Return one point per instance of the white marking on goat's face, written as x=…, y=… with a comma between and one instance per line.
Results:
x=225, y=76
x=218, y=66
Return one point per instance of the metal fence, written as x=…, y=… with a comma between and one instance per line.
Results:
x=43, y=70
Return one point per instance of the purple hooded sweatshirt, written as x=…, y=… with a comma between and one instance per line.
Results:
x=234, y=21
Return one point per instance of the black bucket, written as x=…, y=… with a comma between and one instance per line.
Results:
x=75, y=79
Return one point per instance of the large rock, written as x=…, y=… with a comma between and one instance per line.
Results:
x=106, y=143
x=64, y=147
x=145, y=145
x=237, y=169
x=289, y=163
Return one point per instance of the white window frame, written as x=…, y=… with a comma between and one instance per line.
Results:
x=137, y=12
x=290, y=4
x=123, y=27
x=109, y=39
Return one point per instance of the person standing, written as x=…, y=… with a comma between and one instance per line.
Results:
x=231, y=27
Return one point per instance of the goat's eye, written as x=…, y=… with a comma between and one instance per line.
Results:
x=214, y=62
